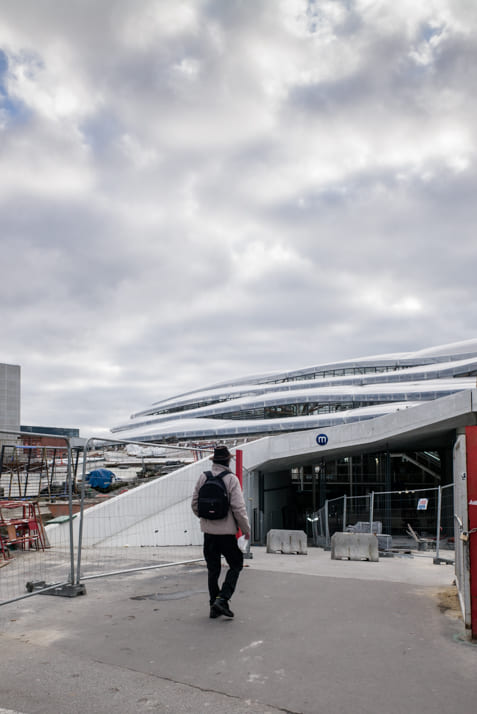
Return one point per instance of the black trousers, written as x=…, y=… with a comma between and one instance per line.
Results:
x=214, y=547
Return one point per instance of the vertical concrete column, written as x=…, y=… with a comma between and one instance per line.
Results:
x=471, y=439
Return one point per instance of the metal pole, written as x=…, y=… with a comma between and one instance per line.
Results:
x=314, y=529
x=327, y=525
x=80, y=528
x=313, y=487
x=438, y=534
x=2, y=451
x=371, y=511
x=70, y=511
x=344, y=512
x=53, y=466
x=28, y=473
x=248, y=504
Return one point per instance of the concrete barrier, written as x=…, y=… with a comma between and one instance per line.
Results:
x=354, y=546
x=282, y=541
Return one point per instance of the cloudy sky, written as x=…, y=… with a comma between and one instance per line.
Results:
x=192, y=190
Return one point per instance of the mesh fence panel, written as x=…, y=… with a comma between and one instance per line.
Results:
x=151, y=525
x=357, y=509
x=336, y=515
x=415, y=519
x=446, y=536
x=26, y=557
x=319, y=522
x=397, y=510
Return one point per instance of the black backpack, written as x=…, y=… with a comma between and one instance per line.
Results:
x=213, y=497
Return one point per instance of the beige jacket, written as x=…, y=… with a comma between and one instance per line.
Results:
x=236, y=517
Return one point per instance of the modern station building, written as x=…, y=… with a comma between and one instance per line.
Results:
x=313, y=397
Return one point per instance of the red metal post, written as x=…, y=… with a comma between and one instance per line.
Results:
x=239, y=466
x=239, y=474
x=471, y=439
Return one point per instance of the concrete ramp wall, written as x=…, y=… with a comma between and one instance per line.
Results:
x=155, y=513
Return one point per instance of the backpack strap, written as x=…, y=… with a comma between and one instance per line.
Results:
x=209, y=475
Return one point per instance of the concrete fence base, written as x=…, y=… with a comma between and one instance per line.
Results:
x=282, y=541
x=354, y=546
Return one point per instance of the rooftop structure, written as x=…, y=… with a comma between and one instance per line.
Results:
x=313, y=397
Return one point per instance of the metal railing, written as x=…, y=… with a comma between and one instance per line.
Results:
x=68, y=559
x=26, y=571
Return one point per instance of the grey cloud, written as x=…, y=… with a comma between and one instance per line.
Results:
x=199, y=198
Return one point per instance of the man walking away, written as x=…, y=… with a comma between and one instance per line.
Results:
x=218, y=496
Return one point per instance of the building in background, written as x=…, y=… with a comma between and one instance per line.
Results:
x=10, y=404
x=10, y=389
x=48, y=436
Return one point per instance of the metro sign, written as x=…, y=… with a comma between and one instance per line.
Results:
x=322, y=439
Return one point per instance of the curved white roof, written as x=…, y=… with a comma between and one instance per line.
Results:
x=322, y=395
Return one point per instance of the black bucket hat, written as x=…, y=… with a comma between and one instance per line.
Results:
x=221, y=455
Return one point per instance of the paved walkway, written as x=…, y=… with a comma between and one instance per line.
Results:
x=310, y=636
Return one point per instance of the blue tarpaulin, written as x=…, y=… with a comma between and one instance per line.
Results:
x=100, y=478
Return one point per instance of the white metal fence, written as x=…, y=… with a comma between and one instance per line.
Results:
x=67, y=557
x=419, y=520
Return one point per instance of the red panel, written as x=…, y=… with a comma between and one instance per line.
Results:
x=471, y=438
x=239, y=474
x=239, y=466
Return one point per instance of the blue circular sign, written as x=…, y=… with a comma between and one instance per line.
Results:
x=321, y=439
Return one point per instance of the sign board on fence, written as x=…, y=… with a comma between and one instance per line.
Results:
x=422, y=504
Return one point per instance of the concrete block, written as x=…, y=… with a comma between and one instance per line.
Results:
x=354, y=546
x=283, y=541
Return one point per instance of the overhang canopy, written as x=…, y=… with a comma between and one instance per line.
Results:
x=428, y=426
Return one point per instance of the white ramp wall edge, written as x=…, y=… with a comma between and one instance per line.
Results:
x=175, y=525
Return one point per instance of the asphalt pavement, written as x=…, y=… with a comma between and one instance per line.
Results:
x=310, y=636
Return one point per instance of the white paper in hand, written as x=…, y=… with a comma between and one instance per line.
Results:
x=242, y=543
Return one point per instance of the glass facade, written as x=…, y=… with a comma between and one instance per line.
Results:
x=308, y=398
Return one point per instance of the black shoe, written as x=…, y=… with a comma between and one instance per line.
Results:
x=221, y=607
x=213, y=613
